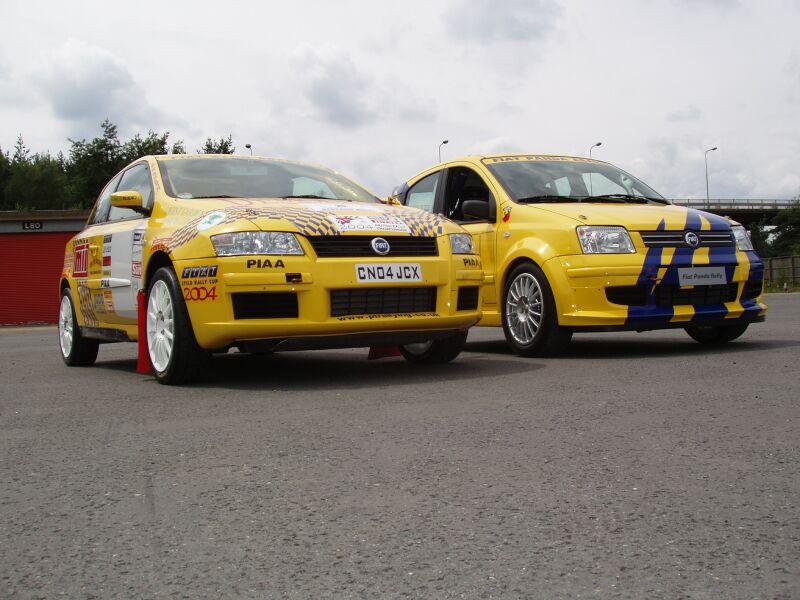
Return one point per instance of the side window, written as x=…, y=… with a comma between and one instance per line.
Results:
x=135, y=179
x=464, y=184
x=423, y=193
x=101, y=208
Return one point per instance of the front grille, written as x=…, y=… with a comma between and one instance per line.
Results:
x=329, y=246
x=672, y=295
x=752, y=289
x=467, y=298
x=265, y=305
x=382, y=301
x=674, y=239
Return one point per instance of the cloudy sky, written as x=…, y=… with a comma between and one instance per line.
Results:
x=371, y=88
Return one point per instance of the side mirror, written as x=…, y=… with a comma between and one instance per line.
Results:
x=476, y=209
x=391, y=201
x=129, y=199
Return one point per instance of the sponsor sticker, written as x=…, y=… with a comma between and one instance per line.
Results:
x=211, y=219
x=702, y=276
x=136, y=269
x=199, y=293
x=81, y=259
x=369, y=223
x=334, y=206
x=199, y=272
x=162, y=243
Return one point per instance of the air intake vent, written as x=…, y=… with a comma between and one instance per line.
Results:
x=675, y=239
x=329, y=246
x=382, y=301
x=467, y=298
x=672, y=295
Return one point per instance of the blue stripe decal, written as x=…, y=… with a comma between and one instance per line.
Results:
x=650, y=313
x=718, y=257
x=756, y=275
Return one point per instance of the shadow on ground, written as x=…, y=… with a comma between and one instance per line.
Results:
x=326, y=370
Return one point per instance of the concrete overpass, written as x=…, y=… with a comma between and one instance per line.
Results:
x=746, y=211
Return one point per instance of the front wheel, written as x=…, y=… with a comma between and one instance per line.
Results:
x=716, y=334
x=435, y=351
x=530, y=321
x=76, y=350
x=173, y=349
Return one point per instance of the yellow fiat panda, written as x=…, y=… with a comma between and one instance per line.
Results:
x=572, y=245
x=263, y=255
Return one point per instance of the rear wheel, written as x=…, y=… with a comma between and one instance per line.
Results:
x=76, y=350
x=174, y=352
x=716, y=334
x=435, y=351
x=530, y=321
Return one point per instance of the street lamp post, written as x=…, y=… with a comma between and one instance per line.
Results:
x=708, y=197
x=593, y=147
x=249, y=147
x=440, y=149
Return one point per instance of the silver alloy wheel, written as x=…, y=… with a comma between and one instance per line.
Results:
x=160, y=325
x=66, y=326
x=524, y=308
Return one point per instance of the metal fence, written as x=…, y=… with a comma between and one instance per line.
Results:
x=782, y=269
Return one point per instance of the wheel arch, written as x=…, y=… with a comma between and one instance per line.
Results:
x=157, y=260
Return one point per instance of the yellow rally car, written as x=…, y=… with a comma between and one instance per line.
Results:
x=571, y=245
x=265, y=255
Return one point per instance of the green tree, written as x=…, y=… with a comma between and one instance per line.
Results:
x=5, y=177
x=223, y=146
x=38, y=182
x=759, y=235
x=91, y=164
x=139, y=146
x=177, y=148
x=786, y=235
x=21, y=151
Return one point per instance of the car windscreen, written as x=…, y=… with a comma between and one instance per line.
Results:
x=569, y=180
x=240, y=177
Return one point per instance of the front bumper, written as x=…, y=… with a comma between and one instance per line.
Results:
x=582, y=285
x=303, y=292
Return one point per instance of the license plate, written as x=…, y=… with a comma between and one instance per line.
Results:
x=702, y=276
x=398, y=272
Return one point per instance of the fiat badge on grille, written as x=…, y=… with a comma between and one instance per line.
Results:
x=380, y=246
x=691, y=239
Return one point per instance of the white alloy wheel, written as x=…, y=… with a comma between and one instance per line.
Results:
x=524, y=308
x=160, y=326
x=66, y=326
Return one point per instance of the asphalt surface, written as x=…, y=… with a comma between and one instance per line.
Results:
x=636, y=466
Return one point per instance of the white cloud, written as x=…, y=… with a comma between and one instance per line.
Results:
x=688, y=113
x=86, y=84
x=487, y=21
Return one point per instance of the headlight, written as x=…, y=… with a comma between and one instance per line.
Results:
x=461, y=243
x=742, y=237
x=605, y=240
x=255, y=242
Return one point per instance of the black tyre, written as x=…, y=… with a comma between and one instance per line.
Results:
x=173, y=349
x=76, y=350
x=530, y=320
x=716, y=334
x=435, y=352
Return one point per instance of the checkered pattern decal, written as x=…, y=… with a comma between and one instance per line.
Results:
x=310, y=222
x=86, y=306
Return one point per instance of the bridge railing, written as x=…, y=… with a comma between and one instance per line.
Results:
x=737, y=203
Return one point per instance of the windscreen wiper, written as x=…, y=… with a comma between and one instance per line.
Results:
x=627, y=198
x=312, y=196
x=217, y=196
x=550, y=198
